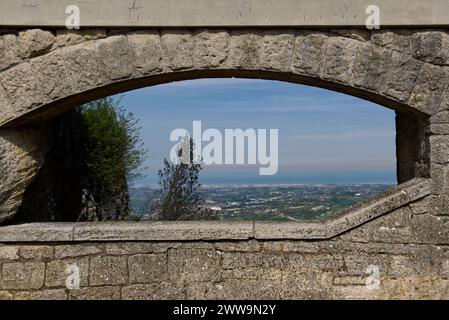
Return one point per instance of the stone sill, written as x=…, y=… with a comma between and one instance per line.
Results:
x=394, y=198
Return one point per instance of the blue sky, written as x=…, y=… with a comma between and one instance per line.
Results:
x=324, y=136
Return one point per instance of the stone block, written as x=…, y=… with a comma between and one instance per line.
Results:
x=211, y=49
x=439, y=205
x=397, y=40
x=244, y=49
x=57, y=273
x=339, y=59
x=431, y=46
x=439, y=149
x=429, y=87
x=23, y=88
x=440, y=178
x=147, y=51
x=9, y=252
x=148, y=268
x=277, y=50
x=188, y=266
x=95, y=293
x=115, y=56
x=309, y=53
x=9, y=52
x=36, y=252
x=108, y=270
x=23, y=275
x=34, y=42
x=400, y=77
x=178, y=46
x=76, y=250
x=370, y=67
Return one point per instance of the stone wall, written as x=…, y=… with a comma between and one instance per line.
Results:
x=403, y=233
x=410, y=250
x=398, y=242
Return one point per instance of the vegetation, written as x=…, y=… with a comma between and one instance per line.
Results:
x=179, y=194
x=113, y=155
x=95, y=152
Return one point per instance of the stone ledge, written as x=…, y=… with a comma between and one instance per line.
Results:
x=351, y=218
x=224, y=13
x=171, y=231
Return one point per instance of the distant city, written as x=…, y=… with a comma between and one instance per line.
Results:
x=273, y=202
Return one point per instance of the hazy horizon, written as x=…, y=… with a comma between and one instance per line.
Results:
x=324, y=136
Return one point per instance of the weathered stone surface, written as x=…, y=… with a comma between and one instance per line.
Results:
x=147, y=51
x=21, y=155
x=19, y=82
x=429, y=87
x=339, y=59
x=76, y=250
x=134, y=248
x=108, y=270
x=26, y=275
x=440, y=178
x=182, y=263
x=290, y=230
x=306, y=285
x=440, y=128
x=56, y=294
x=8, y=51
x=36, y=252
x=400, y=77
x=178, y=49
x=148, y=268
x=439, y=205
x=439, y=149
x=115, y=56
x=244, y=49
x=397, y=40
x=198, y=230
x=370, y=67
x=95, y=293
x=211, y=48
x=356, y=34
x=81, y=64
x=158, y=291
x=309, y=53
x=66, y=37
x=277, y=50
x=249, y=289
x=57, y=271
x=9, y=252
x=37, y=232
x=431, y=46
x=421, y=206
x=35, y=42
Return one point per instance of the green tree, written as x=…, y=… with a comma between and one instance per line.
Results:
x=113, y=155
x=179, y=195
x=95, y=151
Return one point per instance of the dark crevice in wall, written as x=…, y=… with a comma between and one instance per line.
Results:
x=412, y=147
x=55, y=194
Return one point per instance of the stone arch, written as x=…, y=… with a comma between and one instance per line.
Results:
x=42, y=80
x=45, y=73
